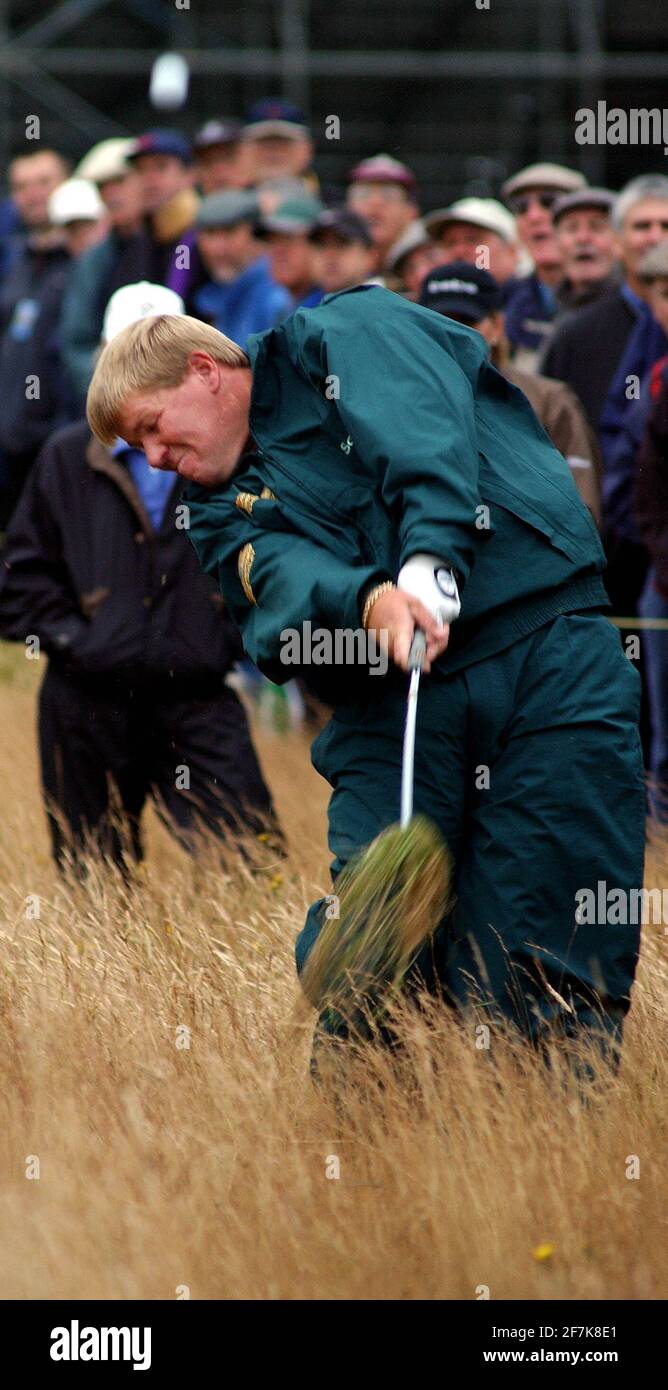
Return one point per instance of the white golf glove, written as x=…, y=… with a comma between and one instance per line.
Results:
x=431, y=581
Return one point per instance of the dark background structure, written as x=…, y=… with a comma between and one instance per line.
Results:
x=464, y=94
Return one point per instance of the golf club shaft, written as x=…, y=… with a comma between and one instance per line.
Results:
x=415, y=660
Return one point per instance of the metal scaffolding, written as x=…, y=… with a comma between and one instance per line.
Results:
x=38, y=60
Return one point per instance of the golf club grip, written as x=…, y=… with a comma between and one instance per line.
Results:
x=418, y=650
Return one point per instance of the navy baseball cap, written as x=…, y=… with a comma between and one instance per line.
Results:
x=162, y=142
x=345, y=224
x=275, y=117
x=460, y=288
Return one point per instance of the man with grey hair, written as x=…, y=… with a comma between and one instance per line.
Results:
x=605, y=351
x=587, y=346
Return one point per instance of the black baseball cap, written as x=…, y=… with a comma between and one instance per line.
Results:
x=459, y=288
x=345, y=224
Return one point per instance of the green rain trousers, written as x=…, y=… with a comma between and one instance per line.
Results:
x=530, y=764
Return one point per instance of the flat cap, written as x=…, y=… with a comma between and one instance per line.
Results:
x=599, y=198
x=293, y=216
x=227, y=209
x=479, y=212
x=382, y=168
x=555, y=176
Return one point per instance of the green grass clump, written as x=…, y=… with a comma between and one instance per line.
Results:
x=391, y=897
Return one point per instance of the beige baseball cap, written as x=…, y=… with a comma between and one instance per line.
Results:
x=104, y=161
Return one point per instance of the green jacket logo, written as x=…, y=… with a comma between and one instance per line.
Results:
x=347, y=445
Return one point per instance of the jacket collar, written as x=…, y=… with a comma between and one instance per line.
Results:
x=101, y=461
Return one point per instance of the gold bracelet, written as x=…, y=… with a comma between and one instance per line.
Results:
x=370, y=599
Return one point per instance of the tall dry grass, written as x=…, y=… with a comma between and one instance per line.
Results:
x=163, y=1166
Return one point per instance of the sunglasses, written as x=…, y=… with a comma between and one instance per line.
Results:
x=523, y=201
x=358, y=193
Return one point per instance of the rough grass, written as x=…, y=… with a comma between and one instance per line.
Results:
x=207, y=1166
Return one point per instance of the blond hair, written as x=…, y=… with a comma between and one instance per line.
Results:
x=149, y=355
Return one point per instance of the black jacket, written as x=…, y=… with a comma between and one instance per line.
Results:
x=30, y=301
x=586, y=347
x=85, y=572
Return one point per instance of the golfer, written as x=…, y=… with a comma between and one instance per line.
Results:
x=366, y=465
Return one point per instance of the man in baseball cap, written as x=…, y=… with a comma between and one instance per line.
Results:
x=293, y=259
x=346, y=251
x=163, y=160
x=531, y=195
x=462, y=291
x=77, y=207
x=118, y=183
x=472, y=296
x=239, y=296
x=383, y=191
x=112, y=260
x=278, y=142
x=220, y=157
x=131, y=303
x=479, y=230
x=139, y=645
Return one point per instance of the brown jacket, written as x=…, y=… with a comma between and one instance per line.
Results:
x=564, y=420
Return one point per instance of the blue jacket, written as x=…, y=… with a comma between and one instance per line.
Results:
x=249, y=304
x=619, y=479
x=530, y=309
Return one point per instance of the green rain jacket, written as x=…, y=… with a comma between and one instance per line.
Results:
x=383, y=431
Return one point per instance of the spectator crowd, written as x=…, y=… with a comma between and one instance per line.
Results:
x=568, y=285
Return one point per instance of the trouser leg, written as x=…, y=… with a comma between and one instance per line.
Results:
x=524, y=762
x=204, y=769
x=92, y=785
x=655, y=649
x=564, y=811
x=359, y=753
